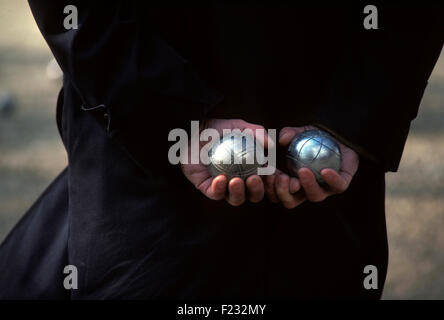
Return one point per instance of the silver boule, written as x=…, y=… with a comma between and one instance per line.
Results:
x=234, y=155
x=316, y=150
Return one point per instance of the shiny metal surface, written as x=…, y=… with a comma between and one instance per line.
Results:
x=234, y=156
x=316, y=150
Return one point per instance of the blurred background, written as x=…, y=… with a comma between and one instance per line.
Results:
x=32, y=154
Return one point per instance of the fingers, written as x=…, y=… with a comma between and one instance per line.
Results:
x=236, y=192
x=336, y=182
x=288, y=189
x=283, y=186
x=339, y=182
x=255, y=188
x=218, y=188
x=278, y=188
x=313, y=191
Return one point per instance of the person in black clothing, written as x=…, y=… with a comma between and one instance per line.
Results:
x=134, y=225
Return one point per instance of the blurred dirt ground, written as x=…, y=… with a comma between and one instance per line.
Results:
x=31, y=155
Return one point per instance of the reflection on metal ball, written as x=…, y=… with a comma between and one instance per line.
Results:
x=234, y=155
x=316, y=150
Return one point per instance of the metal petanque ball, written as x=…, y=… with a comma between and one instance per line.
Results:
x=234, y=156
x=316, y=150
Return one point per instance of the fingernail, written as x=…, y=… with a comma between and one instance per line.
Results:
x=237, y=187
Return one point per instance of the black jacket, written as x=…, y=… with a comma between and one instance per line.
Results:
x=312, y=64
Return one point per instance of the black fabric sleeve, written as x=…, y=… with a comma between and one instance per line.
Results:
x=123, y=71
x=379, y=78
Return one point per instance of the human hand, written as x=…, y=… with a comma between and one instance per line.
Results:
x=215, y=188
x=292, y=191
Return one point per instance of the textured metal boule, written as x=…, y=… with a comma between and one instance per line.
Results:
x=316, y=150
x=234, y=156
